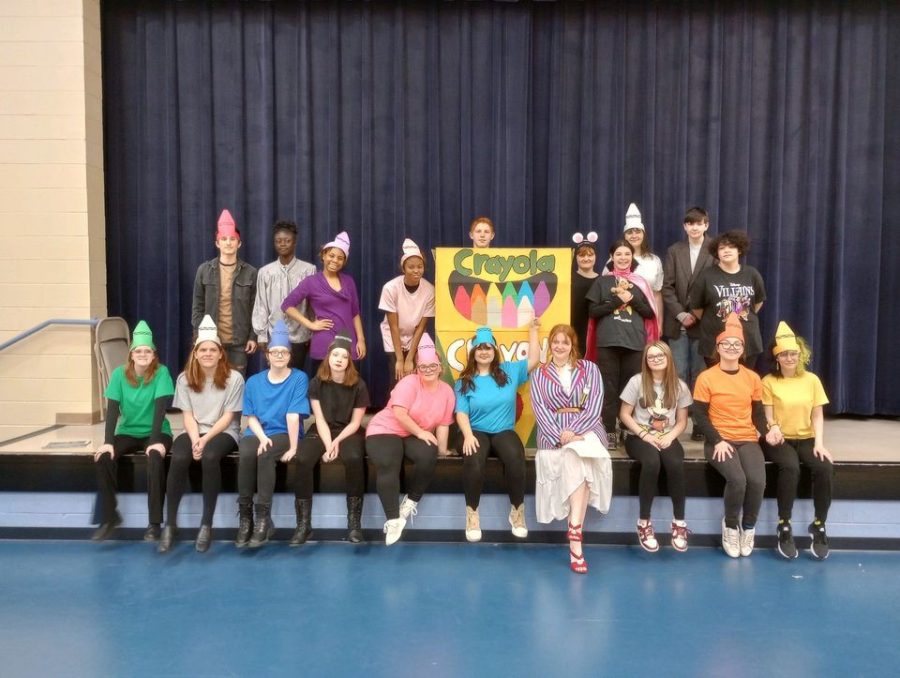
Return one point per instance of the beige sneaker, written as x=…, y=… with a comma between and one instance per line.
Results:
x=517, y=521
x=393, y=529
x=473, y=525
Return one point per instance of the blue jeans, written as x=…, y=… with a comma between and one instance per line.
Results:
x=688, y=361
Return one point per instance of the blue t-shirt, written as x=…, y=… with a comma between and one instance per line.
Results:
x=492, y=409
x=271, y=403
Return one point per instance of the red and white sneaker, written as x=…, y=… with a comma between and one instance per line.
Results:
x=680, y=537
x=647, y=537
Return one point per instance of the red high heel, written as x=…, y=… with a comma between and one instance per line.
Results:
x=574, y=533
x=577, y=563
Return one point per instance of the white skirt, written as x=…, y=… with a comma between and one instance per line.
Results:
x=560, y=472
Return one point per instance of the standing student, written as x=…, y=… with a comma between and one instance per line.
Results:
x=729, y=411
x=333, y=300
x=482, y=232
x=654, y=412
x=793, y=400
x=486, y=394
x=275, y=401
x=339, y=398
x=224, y=289
x=649, y=265
x=572, y=466
x=685, y=261
x=582, y=281
x=408, y=303
x=729, y=287
x=210, y=396
x=275, y=281
x=138, y=395
x=414, y=425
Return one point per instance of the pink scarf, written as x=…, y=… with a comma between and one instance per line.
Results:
x=651, y=326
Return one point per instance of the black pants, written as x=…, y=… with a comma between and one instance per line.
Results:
x=351, y=452
x=257, y=472
x=210, y=462
x=617, y=365
x=788, y=456
x=672, y=458
x=387, y=452
x=508, y=447
x=745, y=481
x=108, y=483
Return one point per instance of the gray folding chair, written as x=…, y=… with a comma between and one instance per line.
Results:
x=112, y=338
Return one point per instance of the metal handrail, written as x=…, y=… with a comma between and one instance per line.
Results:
x=92, y=322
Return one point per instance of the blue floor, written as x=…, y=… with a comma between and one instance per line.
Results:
x=120, y=609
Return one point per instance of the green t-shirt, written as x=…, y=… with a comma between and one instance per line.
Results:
x=136, y=403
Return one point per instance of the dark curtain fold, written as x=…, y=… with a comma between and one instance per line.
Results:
x=393, y=119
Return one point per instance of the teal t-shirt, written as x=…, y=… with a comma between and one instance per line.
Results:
x=137, y=403
x=492, y=409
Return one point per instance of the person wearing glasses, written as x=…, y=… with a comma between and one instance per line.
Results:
x=655, y=412
x=414, y=425
x=486, y=394
x=728, y=409
x=729, y=287
x=793, y=400
x=276, y=402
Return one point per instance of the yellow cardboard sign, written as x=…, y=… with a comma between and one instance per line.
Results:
x=501, y=288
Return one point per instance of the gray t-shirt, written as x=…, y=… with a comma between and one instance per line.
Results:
x=211, y=403
x=657, y=420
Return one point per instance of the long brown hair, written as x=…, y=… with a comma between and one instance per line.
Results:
x=467, y=376
x=195, y=376
x=670, y=381
x=132, y=376
x=351, y=375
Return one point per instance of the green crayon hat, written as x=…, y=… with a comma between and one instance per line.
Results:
x=142, y=336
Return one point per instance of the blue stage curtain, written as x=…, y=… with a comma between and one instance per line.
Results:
x=394, y=119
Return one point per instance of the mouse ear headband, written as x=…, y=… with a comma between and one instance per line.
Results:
x=588, y=240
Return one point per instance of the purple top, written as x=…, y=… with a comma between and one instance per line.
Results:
x=327, y=304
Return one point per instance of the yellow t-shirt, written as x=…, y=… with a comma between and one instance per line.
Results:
x=730, y=398
x=792, y=400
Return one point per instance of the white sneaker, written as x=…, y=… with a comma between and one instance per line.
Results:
x=408, y=508
x=473, y=525
x=731, y=539
x=517, y=521
x=393, y=529
x=747, y=537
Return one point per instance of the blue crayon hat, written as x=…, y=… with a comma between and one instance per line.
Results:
x=483, y=335
x=280, y=335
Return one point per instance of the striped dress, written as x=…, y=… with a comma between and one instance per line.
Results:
x=560, y=470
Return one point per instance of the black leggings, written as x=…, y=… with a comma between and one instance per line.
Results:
x=256, y=469
x=745, y=481
x=617, y=365
x=672, y=458
x=508, y=447
x=788, y=456
x=387, y=452
x=108, y=483
x=211, y=463
x=351, y=452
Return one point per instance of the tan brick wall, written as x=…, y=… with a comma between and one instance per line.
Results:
x=52, y=221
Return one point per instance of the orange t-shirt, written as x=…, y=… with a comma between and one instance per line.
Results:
x=730, y=397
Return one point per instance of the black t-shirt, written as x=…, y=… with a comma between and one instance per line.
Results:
x=719, y=293
x=338, y=401
x=618, y=324
x=580, y=288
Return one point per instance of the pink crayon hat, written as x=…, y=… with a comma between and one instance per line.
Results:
x=426, y=354
x=226, y=226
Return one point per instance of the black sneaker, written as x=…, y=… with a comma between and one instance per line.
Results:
x=786, y=547
x=819, y=546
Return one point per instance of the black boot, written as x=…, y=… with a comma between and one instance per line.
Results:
x=106, y=530
x=165, y=541
x=303, y=507
x=265, y=528
x=245, y=529
x=354, y=519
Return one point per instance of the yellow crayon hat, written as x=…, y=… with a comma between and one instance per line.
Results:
x=785, y=339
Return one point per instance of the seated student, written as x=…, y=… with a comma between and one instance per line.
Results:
x=728, y=409
x=275, y=401
x=654, y=412
x=572, y=466
x=415, y=424
x=210, y=395
x=481, y=231
x=486, y=413
x=408, y=303
x=138, y=395
x=339, y=398
x=793, y=400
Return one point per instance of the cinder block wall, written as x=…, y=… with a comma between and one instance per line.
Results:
x=52, y=222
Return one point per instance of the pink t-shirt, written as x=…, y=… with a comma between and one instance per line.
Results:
x=428, y=408
x=410, y=309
